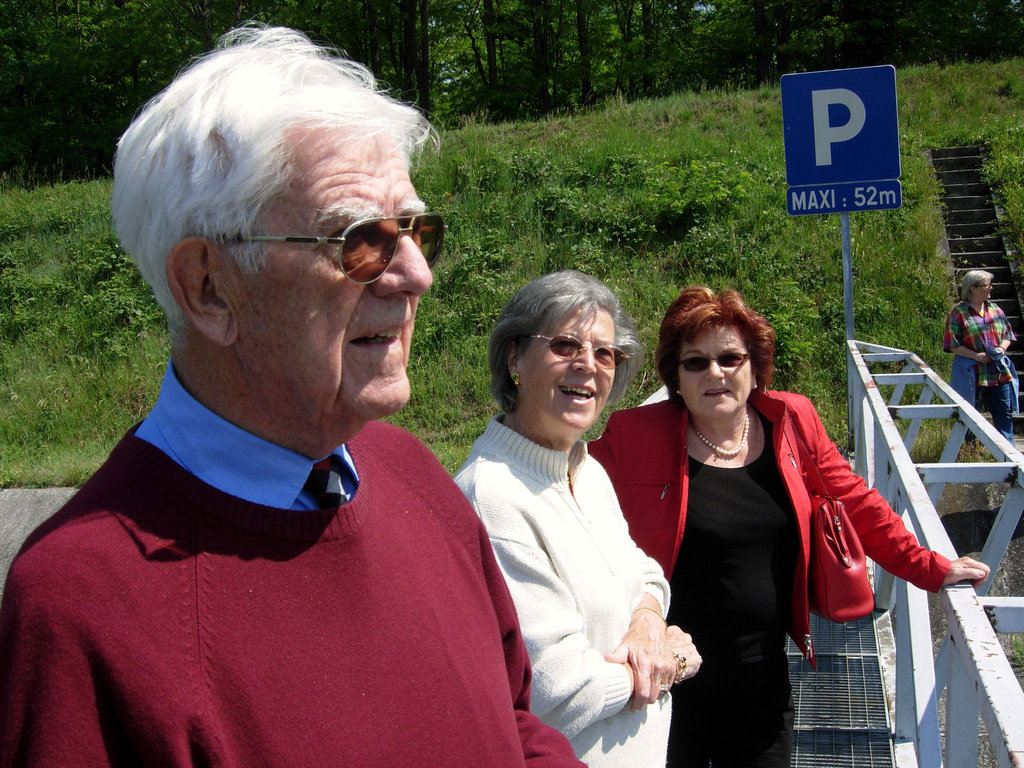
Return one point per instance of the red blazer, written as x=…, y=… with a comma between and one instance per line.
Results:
x=644, y=452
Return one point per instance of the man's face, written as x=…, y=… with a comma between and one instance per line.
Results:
x=321, y=354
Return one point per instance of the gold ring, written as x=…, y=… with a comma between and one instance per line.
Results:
x=681, y=667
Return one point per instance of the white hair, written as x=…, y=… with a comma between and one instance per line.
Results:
x=972, y=278
x=205, y=156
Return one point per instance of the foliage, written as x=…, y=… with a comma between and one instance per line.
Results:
x=81, y=339
x=73, y=74
x=648, y=195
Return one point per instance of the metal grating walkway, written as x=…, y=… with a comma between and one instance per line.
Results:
x=842, y=720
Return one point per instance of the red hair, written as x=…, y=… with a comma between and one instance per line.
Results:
x=698, y=309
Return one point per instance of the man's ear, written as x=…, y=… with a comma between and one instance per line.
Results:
x=196, y=272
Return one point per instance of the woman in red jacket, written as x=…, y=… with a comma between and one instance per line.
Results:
x=712, y=485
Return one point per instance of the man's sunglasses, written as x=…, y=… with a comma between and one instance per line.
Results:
x=367, y=247
x=727, y=362
x=569, y=348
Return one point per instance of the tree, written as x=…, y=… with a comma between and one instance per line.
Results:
x=73, y=73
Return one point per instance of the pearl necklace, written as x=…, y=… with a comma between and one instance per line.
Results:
x=721, y=452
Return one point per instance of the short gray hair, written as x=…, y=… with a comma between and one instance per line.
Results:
x=539, y=308
x=205, y=157
x=972, y=278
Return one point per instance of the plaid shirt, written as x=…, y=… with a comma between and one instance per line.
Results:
x=979, y=331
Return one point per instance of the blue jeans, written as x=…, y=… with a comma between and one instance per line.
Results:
x=999, y=400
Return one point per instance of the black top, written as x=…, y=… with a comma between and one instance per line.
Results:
x=733, y=580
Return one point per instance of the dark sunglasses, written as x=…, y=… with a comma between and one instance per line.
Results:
x=727, y=362
x=367, y=247
x=569, y=348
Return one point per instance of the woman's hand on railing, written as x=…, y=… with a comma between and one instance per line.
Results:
x=966, y=569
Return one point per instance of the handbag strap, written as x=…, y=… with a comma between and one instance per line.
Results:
x=805, y=455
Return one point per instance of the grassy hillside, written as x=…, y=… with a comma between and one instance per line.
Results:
x=648, y=196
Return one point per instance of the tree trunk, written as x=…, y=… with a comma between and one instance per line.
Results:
x=490, y=43
x=648, y=34
x=762, y=56
x=587, y=96
x=408, y=46
x=423, y=60
x=542, y=54
x=782, y=35
x=373, y=36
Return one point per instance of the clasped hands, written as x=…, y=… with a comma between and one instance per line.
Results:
x=656, y=656
x=985, y=358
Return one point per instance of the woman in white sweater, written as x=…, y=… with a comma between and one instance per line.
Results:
x=590, y=602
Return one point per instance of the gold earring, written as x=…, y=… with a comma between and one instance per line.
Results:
x=515, y=379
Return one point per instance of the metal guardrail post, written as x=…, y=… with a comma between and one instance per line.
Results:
x=917, y=714
x=980, y=657
x=961, y=713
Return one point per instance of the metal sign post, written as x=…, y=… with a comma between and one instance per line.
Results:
x=844, y=227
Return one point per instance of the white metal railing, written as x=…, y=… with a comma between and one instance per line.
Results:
x=970, y=665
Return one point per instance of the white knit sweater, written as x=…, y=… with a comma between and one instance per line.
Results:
x=576, y=576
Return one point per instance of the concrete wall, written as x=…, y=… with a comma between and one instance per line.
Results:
x=21, y=510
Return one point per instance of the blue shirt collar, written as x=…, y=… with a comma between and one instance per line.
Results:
x=226, y=456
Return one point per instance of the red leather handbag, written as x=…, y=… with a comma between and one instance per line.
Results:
x=837, y=577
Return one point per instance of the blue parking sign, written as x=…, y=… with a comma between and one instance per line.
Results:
x=840, y=126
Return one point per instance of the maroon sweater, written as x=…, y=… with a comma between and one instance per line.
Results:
x=155, y=621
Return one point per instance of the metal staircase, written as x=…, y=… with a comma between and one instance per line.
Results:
x=975, y=236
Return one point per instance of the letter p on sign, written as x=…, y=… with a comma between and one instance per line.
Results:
x=840, y=126
x=826, y=134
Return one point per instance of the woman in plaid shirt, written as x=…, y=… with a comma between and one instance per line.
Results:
x=978, y=333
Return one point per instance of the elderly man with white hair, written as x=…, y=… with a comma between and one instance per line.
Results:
x=263, y=574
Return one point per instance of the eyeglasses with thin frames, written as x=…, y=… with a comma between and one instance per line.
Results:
x=568, y=347
x=728, y=361
x=367, y=247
